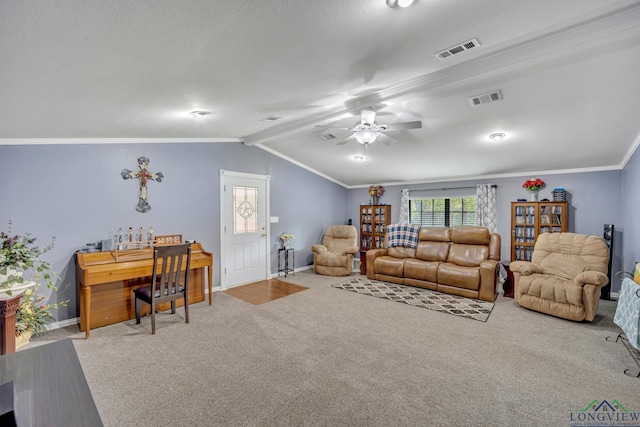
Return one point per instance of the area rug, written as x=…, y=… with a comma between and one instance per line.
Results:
x=432, y=300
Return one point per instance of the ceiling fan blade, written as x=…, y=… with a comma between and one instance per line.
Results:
x=367, y=116
x=350, y=138
x=385, y=139
x=333, y=127
x=403, y=125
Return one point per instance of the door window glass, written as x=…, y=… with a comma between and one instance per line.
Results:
x=245, y=203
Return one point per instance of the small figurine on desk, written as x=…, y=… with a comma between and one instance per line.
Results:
x=150, y=237
x=140, y=234
x=130, y=234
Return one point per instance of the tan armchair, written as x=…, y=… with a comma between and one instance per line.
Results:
x=334, y=257
x=564, y=277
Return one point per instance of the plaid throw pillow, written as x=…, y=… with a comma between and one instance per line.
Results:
x=405, y=235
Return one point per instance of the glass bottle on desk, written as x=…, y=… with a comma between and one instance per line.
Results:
x=120, y=238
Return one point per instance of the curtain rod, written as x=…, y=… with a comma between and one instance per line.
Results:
x=450, y=188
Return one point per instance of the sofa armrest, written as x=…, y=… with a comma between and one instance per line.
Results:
x=525, y=268
x=595, y=278
x=371, y=255
x=352, y=250
x=318, y=249
x=489, y=270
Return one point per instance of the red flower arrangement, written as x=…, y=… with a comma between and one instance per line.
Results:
x=533, y=184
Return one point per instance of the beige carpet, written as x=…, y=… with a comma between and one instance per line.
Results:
x=326, y=357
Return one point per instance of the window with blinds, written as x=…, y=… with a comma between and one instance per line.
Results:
x=443, y=211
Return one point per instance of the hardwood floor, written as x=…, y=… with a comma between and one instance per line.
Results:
x=264, y=291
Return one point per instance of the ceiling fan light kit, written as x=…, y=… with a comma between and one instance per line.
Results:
x=367, y=131
x=366, y=136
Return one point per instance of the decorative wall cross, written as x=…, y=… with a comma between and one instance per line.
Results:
x=143, y=175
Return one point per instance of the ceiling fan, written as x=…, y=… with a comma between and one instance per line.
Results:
x=368, y=131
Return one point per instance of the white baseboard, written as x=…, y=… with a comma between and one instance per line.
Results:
x=63, y=323
x=615, y=295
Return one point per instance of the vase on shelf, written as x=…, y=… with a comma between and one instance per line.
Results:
x=375, y=200
x=285, y=244
x=533, y=196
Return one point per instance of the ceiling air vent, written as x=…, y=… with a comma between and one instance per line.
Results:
x=444, y=54
x=485, y=98
x=327, y=137
x=270, y=119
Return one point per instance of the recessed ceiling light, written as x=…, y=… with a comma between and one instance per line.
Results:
x=498, y=136
x=359, y=158
x=198, y=114
x=401, y=3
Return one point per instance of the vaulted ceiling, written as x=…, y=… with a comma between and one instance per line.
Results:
x=131, y=71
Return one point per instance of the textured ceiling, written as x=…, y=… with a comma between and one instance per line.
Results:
x=95, y=71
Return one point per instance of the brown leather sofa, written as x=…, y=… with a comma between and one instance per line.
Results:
x=564, y=277
x=460, y=260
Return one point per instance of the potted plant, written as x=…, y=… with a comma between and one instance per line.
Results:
x=21, y=272
x=286, y=237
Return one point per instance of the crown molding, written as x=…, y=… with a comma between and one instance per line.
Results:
x=75, y=141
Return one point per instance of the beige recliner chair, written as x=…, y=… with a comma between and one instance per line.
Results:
x=334, y=257
x=564, y=276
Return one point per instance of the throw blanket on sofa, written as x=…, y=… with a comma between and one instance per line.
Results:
x=405, y=235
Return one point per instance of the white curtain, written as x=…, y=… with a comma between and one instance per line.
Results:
x=404, y=206
x=486, y=207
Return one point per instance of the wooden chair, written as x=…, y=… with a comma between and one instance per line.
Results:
x=169, y=281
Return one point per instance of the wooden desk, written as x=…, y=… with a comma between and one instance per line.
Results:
x=105, y=285
x=50, y=386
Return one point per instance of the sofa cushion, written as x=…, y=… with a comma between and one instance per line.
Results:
x=565, y=265
x=467, y=255
x=421, y=270
x=389, y=266
x=432, y=251
x=332, y=259
x=471, y=235
x=401, y=252
x=592, y=249
x=435, y=234
x=459, y=276
x=551, y=288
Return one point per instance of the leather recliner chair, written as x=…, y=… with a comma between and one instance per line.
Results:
x=564, y=277
x=334, y=257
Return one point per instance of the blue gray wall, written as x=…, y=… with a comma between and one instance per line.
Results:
x=76, y=193
x=595, y=199
x=631, y=213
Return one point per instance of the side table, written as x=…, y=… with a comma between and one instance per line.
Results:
x=509, y=283
x=8, y=309
x=363, y=263
x=283, y=255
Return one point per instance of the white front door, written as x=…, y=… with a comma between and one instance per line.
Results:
x=244, y=210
